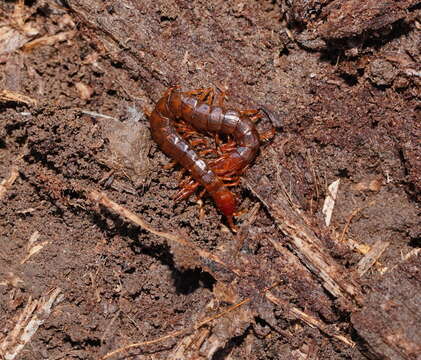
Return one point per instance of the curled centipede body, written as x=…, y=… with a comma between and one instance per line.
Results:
x=205, y=117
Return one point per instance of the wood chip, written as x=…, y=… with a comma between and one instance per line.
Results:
x=7, y=183
x=330, y=201
x=305, y=243
x=31, y=318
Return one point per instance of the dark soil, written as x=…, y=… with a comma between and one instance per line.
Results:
x=347, y=95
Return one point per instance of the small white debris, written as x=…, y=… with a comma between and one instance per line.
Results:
x=31, y=318
x=330, y=201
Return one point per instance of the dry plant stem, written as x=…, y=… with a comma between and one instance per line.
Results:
x=348, y=223
x=190, y=343
x=7, y=95
x=309, y=320
x=305, y=243
x=31, y=318
x=8, y=348
x=102, y=198
x=6, y=183
x=299, y=314
x=49, y=40
x=367, y=261
x=194, y=327
x=176, y=333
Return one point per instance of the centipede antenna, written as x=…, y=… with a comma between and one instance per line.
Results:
x=271, y=115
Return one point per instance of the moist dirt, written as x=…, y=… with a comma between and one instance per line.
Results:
x=78, y=80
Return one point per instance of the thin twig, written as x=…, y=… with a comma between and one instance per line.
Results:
x=367, y=261
x=306, y=243
x=308, y=319
x=7, y=95
x=32, y=317
x=176, y=333
x=6, y=183
x=353, y=214
x=103, y=199
x=194, y=327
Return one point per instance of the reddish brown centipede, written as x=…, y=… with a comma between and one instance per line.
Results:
x=206, y=118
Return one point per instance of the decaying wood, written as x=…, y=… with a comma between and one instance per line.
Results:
x=7, y=183
x=206, y=258
x=30, y=319
x=371, y=257
x=345, y=19
x=311, y=321
x=330, y=201
x=390, y=319
x=305, y=243
x=174, y=334
x=102, y=198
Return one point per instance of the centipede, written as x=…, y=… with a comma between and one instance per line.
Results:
x=205, y=117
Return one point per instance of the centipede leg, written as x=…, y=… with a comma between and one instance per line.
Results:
x=227, y=147
x=218, y=167
x=185, y=129
x=197, y=142
x=252, y=114
x=234, y=178
x=206, y=152
x=221, y=98
x=186, y=191
x=206, y=95
x=171, y=89
x=200, y=195
x=234, y=183
x=267, y=135
x=188, y=133
x=170, y=165
x=222, y=166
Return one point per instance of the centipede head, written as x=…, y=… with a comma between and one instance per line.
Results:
x=226, y=203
